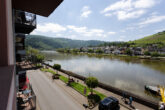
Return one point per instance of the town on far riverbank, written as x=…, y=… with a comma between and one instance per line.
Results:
x=149, y=52
x=141, y=48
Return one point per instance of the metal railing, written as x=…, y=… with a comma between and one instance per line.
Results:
x=33, y=99
x=26, y=18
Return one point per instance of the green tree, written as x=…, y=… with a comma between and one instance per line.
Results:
x=67, y=50
x=147, y=53
x=60, y=50
x=99, y=51
x=155, y=54
x=90, y=51
x=92, y=82
x=128, y=51
x=34, y=55
x=40, y=58
x=75, y=50
x=57, y=66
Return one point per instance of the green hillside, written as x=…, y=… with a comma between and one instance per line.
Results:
x=50, y=43
x=153, y=39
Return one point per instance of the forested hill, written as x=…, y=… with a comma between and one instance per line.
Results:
x=50, y=43
x=155, y=38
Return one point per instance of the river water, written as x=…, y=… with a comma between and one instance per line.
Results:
x=126, y=73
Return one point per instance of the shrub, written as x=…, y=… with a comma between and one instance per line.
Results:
x=93, y=99
x=162, y=55
x=155, y=54
x=57, y=66
x=40, y=58
x=128, y=52
x=91, y=82
x=38, y=65
x=55, y=76
x=75, y=50
x=147, y=53
x=99, y=51
x=90, y=51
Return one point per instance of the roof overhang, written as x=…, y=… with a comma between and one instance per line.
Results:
x=39, y=7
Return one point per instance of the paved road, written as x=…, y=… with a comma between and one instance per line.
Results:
x=49, y=95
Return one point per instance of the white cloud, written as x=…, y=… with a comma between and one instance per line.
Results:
x=122, y=38
x=50, y=27
x=108, y=14
x=123, y=30
x=144, y=3
x=130, y=28
x=77, y=29
x=71, y=31
x=152, y=19
x=59, y=35
x=123, y=4
x=34, y=33
x=126, y=9
x=97, y=30
x=86, y=32
x=111, y=33
x=122, y=15
x=85, y=12
x=160, y=30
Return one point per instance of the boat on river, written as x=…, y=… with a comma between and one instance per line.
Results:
x=162, y=93
x=153, y=89
x=49, y=60
x=157, y=90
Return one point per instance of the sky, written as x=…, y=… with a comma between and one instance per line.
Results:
x=106, y=20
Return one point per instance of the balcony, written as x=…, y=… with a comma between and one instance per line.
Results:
x=24, y=22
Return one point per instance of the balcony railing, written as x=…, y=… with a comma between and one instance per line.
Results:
x=24, y=22
x=25, y=18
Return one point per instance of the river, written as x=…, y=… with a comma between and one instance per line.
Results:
x=130, y=74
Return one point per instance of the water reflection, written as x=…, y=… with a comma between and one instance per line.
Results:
x=129, y=74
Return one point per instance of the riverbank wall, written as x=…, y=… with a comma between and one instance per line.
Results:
x=115, y=90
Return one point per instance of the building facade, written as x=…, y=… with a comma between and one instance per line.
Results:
x=13, y=26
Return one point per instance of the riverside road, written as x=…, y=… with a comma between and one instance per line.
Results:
x=49, y=95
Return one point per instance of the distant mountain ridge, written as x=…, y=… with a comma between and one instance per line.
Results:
x=51, y=43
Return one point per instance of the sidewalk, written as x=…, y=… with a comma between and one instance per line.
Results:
x=135, y=105
x=37, y=105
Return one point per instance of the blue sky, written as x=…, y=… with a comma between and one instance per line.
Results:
x=107, y=20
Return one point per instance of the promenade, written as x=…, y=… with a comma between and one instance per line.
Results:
x=76, y=97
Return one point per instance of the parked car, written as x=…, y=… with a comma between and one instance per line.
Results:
x=109, y=103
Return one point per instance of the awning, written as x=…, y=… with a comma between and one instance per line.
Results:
x=39, y=7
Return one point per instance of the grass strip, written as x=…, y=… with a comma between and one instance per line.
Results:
x=48, y=70
x=102, y=96
x=77, y=86
x=64, y=79
x=80, y=88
